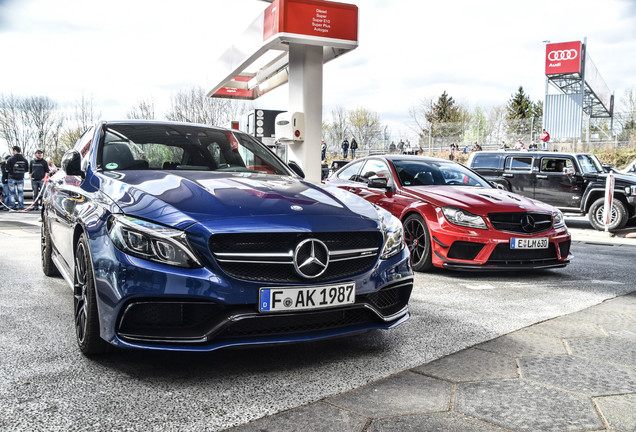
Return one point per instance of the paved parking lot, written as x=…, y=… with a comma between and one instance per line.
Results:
x=46, y=384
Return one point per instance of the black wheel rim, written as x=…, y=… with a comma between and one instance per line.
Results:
x=415, y=235
x=80, y=293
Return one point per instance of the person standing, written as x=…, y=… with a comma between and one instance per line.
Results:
x=354, y=147
x=323, y=151
x=38, y=168
x=17, y=166
x=5, y=183
x=345, y=148
x=545, y=139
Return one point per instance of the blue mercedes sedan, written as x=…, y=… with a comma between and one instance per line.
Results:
x=179, y=236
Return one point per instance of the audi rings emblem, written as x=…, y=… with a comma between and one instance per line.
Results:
x=311, y=258
x=527, y=223
x=570, y=54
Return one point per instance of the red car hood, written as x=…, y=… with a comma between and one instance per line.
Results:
x=478, y=200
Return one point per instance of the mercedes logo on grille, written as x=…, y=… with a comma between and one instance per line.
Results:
x=527, y=223
x=311, y=258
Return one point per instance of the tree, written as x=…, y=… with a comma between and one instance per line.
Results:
x=193, y=106
x=336, y=130
x=628, y=119
x=144, y=110
x=444, y=118
x=365, y=127
x=81, y=118
x=519, y=111
x=31, y=123
x=445, y=110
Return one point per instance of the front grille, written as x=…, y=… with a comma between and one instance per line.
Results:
x=268, y=257
x=464, y=250
x=167, y=319
x=268, y=325
x=518, y=222
x=182, y=322
x=502, y=254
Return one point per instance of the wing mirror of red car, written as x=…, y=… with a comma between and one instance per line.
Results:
x=378, y=182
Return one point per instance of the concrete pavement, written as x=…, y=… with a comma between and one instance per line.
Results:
x=575, y=372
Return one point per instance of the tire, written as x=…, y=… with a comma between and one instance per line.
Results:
x=619, y=215
x=85, y=303
x=418, y=240
x=46, y=249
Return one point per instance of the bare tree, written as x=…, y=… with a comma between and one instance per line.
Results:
x=30, y=123
x=365, y=127
x=336, y=129
x=145, y=110
x=82, y=117
x=193, y=106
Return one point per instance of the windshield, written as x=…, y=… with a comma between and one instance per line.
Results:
x=436, y=173
x=589, y=164
x=184, y=147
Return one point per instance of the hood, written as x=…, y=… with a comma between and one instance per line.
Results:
x=182, y=199
x=478, y=200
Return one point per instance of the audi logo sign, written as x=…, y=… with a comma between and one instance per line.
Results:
x=563, y=58
x=562, y=55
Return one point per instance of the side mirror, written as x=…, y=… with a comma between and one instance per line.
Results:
x=72, y=163
x=378, y=182
x=568, y=171
x=296, y=169
x=498, y=185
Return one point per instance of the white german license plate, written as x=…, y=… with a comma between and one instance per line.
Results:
x=302, y=298
x=529, y=243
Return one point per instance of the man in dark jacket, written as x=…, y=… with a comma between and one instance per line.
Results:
x=38, y=169
x=353, y=147
x=17, y=166
x=5, y=183
x=345, y=148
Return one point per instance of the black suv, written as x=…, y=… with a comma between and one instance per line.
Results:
x=573, y=182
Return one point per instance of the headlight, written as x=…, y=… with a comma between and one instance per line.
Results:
x=393, y=234
x=463, y=218
x=559, y=221
x=630, y=190
x=150, y=241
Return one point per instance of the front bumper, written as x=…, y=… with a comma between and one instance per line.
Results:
x=467, y=249
x=147, y=305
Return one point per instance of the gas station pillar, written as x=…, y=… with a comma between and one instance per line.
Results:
x=305, y=95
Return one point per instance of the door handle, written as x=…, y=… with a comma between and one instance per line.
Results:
x=542, y=176
x=508, y=175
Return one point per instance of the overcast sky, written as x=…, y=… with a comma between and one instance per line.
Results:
x=480, y=52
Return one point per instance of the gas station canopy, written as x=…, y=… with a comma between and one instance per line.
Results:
x=259, y=61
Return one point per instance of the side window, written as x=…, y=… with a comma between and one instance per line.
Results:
x=555, y=165
x=350, y=173
x=372, y=168
x=519, y=163
x=485, y=161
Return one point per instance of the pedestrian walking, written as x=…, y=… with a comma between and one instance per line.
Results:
x=17, y=166
x=345, y=148
x=38, y=169
x=323, y=151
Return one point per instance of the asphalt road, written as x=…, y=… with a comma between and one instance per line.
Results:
x=46, y=384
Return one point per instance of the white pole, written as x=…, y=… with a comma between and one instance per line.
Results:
x=609, y=200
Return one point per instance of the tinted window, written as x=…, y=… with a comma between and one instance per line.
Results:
x=350, y=173
x=555, y=165
x=519, y=164
x=436, y=173
x=485, y=161
x=374, y=167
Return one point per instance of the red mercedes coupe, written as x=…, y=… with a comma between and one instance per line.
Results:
x=455, y=219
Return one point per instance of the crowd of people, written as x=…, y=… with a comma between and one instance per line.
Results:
x=15, y=169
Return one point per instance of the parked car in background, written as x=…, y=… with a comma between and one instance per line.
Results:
x=187, y=237
x=572, y=182
x=455, y=219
